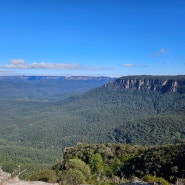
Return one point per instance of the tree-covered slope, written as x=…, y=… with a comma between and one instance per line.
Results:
x=166, y=161
x=115, y=163
x=30, y=159
x=93, y=117
x=102, y=115
x=157, y=129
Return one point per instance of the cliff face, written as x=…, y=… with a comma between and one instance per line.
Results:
x=162, y=84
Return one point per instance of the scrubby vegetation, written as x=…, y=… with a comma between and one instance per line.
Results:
x=116, y=163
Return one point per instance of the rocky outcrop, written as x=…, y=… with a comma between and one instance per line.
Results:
x=162, y=84
x=7, y=179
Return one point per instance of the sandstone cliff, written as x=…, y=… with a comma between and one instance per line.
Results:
x=162, y=84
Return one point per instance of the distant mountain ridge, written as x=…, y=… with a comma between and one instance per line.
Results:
x=161, y=84
x=38, y=78
x=48, y=87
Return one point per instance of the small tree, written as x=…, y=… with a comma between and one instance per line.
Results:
x=79, y=165
x=96, y=163
x=150, y=178
x=72, y=177
x=44, y=175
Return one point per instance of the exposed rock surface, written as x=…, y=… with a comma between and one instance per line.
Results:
x=6, y=179
x=162, y=84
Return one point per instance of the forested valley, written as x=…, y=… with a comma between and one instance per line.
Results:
x=141, y=110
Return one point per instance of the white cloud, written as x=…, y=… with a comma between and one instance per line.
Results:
x=52, y=66
x=21, y=64
x=17, y=61
x=128, y=65
x=159, y=52
x=162, y=50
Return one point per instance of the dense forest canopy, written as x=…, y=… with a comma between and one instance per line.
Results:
x=111, y=113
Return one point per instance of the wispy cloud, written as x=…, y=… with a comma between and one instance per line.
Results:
x=180, y=58
x=162, y=50
x=128, y=65
x=143, y=65
x=159, y=52
x=21, y=64
x=17, y=61
x=133, y=65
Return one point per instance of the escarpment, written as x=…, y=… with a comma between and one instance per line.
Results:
x=163, y=84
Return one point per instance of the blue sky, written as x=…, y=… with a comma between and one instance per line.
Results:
x=92, y=37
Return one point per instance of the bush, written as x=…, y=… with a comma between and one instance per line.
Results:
x=150, y=178
x=72, y=177
x=79, y=165
x=44, y=175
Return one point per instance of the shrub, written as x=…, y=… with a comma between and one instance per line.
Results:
x=72, y=177
x=44, y=175
x=150, y=178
